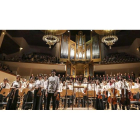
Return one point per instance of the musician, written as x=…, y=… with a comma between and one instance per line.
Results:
x=114, y=77
x=37, y=103
x=104, y=92
x=99, y=102
x=68, y=77
x=32, y=76
x=63, y=79
x=120, y=86
x=97, y=77
x=23, y=84
x=107, y=77
x=44, y=91
x=85, y=81
x=4, y=85
x=76, y=79
x=133, y=74
x=125, y=76
x=13, y=95
x=113, y=86
x=29, y=96
x=103, y=78
x=71, y=78
x=81, y=78
x=81, y=90
x=70, y=87
x=117, y=77
x=58, y=94
x=89, y=78
x=52, y=89
x=100, y=78
x=128, y=77
x=125, y=101
x=36, y=78
x=59, y=76
x=132, y=77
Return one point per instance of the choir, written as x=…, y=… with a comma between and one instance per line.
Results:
x=114, y=92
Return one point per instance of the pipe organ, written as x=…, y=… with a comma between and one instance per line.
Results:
x=80, y=51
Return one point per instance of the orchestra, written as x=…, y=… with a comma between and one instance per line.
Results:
x=115, y=92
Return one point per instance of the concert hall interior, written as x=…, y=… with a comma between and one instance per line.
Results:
x=69, y=69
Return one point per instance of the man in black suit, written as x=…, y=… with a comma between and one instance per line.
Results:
x=76, y=79
x=93, y=78
x=81, y=79
x=97, y=77
x=100, y=78
x=89, y=78
x=63, y=79
x=68, y=78
x=132, y=77
x=71, y=77
x=133, y=74
x=59, y=77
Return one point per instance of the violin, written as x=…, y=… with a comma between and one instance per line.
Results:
x=39, y=93
x=104, y=92
x=114, y=99
x=57, y=97
x=99, y=95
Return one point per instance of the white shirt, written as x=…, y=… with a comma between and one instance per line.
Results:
x=6, y=87
x=45, y=84
x=60, y=87
x=97, y=89
x=31, y=85
x=16, y=84
x=39, y=83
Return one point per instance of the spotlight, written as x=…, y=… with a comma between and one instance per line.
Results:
x=3, y=33
x=21, y=48
x=68, y=31
x=138, y=49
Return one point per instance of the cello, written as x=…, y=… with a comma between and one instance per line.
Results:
x=113, y=100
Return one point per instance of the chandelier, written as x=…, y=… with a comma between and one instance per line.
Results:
x=109, y=36
x=50, y=36
x=109, y=40
x=50, y=40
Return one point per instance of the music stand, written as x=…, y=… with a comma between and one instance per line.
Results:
x=62, y=95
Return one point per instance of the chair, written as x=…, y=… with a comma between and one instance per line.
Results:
x=79, y=96
x=91, y=95
x=4, y=92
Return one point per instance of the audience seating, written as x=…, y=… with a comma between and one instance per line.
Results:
x=117, y=58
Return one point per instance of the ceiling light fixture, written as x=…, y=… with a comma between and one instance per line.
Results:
x=109, y=40
x=50, y=40
x=21, y=48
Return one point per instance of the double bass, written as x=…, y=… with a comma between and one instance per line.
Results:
x=113, y=100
